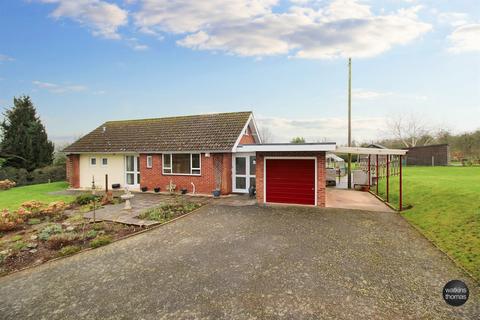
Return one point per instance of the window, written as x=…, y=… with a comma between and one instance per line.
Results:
x=181, y=163
x=149, y=162
x=93, y=161
x=104, y=161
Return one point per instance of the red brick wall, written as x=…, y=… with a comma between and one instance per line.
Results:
x=153, y=177
x=73, y=170
x=247, y=138
x=321, y=172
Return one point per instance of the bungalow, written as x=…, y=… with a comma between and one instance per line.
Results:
x=200, y=153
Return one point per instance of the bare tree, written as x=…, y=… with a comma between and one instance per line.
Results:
x=411, y=130
x=266, y=135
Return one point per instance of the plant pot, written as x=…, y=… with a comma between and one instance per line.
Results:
x=157, y=189
x=144, y=189
x=216, y=193
x=184, y=190
x=365, y=188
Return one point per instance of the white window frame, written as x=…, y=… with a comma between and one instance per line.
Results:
x=286, y=158
x=90, y=161
x=104, y=165
x=171, y=173
x=149, y=162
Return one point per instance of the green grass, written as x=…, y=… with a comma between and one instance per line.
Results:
x=13, y=198
x=446, y=207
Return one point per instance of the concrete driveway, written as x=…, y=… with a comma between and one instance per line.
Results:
x=226, y=262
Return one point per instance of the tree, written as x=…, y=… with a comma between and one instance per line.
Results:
x=25, y=142
x=266, y=135
x=411, y=131
x=298, y=140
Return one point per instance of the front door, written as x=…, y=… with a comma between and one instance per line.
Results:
x=244, y=166
x=132, y=171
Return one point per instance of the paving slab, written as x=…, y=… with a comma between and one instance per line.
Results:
x=354, y=199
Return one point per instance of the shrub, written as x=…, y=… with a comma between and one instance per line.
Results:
x=49, y=230
x=9, y=220
x=19, y=245
x=54, y=208
x=48, y=174
x=91, y=234
x=68, y=250
x=19, y=175
x=98, y=226
x=168, y=211
x=7, y=184
x=16, y=238
x=100, y=241
x=57, y=241
x=86, y=198
x=33, y=221
x=32, y=207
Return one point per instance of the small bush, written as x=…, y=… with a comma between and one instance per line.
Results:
x=100, y=241
x=168, y=211
x=16, y=238
x=98, y=226
x=7, y=184
x=33, y=221
x=60, y=240
x=91, y=234
x=68, y=250
x=49, y=230
x=19, y=245
x=54, y=208
x=86, y=198
x=76, y=218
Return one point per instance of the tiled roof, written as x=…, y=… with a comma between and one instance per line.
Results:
x=207, y=132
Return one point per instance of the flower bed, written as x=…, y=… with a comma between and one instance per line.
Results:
x=168, y=212
x=37, y=232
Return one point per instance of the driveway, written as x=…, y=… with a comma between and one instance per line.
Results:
x=249, y=263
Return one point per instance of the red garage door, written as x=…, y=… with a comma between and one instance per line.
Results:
x=290, y=181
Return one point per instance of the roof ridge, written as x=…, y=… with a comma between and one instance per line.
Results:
x=177, y=117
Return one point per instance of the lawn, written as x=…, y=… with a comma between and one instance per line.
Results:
x=13, y=198
x=446, y=207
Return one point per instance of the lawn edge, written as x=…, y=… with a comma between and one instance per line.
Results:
x=153, y=227
x=475, y=279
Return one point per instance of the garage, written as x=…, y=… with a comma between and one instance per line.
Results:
x=291, y=180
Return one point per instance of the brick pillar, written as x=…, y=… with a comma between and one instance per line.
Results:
x=321, y=180
x=73, y=170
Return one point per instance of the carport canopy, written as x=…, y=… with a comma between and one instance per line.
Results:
x=379, y=152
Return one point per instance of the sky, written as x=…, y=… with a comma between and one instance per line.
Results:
x=84, y=62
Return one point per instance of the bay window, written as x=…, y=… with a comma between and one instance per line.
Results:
x=181, y=163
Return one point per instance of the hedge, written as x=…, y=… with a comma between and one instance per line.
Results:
x=41, y=175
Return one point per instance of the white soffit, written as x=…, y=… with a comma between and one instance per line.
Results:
x=286, y=147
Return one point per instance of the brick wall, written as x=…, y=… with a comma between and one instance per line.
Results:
x=247, y=138
x=73, y=170
x=321, y=172
x=153, y=177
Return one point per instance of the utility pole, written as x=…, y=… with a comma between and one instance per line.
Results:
x=349, y=122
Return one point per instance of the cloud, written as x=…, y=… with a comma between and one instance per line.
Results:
x=322, y=129
x=101, y=17
x=465, y=38
x=56, y=88
x=368, y=94
x=5, y=58
x=304, y=30
x=454, y=19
